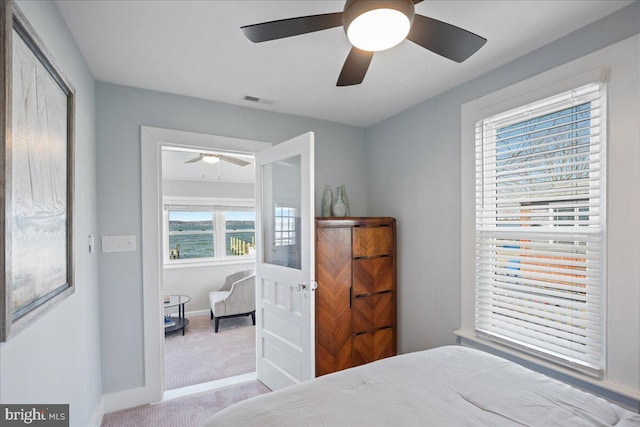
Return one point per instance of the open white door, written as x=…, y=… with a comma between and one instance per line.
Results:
x=285, y=263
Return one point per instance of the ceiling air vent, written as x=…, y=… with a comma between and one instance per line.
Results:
x=258, y=100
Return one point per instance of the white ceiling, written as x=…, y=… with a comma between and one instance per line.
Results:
x=196, y=48
x=175, y=168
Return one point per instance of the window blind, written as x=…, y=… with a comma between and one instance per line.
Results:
x=540, y=204
x=208, y=208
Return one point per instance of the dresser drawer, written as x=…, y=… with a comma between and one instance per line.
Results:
x=373, y=346
x=372, y=312
x=372, y=241
x=371, y=275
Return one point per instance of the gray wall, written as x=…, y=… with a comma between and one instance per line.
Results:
x=421, y=183
x=197, y=282
x=339, y=159
x=57, y=358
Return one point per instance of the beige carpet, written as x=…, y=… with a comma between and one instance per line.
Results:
x=201, y=355
x=191, y=411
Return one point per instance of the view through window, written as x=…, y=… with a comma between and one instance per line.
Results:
x=191, y=235
x=200, y=234
x=285, y=226
x=539, y=227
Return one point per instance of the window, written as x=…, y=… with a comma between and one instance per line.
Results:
x=209, y=232
x=240, y=233
x=191, y=234
x=285, y=226
x=540, y=227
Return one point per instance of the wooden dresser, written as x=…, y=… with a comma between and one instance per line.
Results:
x=356, y=295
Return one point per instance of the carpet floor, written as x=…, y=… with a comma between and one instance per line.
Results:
x=201, y=355
x=190, y=411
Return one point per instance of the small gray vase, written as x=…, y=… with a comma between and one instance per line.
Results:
x=345, y=200
x=339, y=208
x=327, y=201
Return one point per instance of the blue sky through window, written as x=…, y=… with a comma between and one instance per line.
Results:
x=240, y=216
x=190, y=216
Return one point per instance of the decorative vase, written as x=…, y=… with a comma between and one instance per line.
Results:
x=327, y=201
x=339, y=208
x=345, y=200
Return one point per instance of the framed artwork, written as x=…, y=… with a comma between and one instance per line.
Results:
x=36, y=155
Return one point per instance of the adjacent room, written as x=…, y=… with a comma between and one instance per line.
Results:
x=208, y=256
x=301, y=212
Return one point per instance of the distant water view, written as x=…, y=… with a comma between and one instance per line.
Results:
x=195, y=239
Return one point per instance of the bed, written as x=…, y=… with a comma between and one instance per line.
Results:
x=447, y=386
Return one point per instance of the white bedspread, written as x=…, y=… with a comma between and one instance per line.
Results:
x=447, y=386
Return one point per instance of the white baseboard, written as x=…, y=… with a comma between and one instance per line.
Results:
x=129, y=398
x=98, y=414
x=193, y=313
x=197, y=312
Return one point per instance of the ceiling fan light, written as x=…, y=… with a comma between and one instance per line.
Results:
x=378, y=29
x=210, y=159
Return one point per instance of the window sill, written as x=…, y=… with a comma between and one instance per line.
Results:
x=209, y=263
x=471, y=339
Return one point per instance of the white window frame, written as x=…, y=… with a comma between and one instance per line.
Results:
x=509, y=306
x=167, y=237
x=288, y=229
x=219, y=231
x=622, y=61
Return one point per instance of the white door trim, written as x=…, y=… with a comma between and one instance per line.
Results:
x=152, y=139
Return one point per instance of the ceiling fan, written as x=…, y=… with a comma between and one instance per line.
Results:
x=371, y=26
x=215, y=158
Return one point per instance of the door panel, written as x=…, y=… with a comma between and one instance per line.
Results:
x=281, y=204
x=285, y=263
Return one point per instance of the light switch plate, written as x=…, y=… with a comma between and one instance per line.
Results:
x=118, y=244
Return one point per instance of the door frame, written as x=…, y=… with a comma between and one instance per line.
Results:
x=152, y=140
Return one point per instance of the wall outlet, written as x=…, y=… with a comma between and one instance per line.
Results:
x=118, y=244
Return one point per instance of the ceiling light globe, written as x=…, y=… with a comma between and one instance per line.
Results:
x=210, y=159
x=378, y=29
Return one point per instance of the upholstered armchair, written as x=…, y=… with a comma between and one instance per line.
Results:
x=236, y=298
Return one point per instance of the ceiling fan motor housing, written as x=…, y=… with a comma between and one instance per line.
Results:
x=355, y=8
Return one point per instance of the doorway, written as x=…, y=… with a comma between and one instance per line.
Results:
x=208, y=251
x=153, y=140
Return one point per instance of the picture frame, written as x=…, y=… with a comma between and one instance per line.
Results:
x=37, y=160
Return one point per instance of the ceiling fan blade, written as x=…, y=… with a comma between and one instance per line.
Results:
x=196, y=159
x=234, y=160
x=444, y=39
x=417, y=1
x=291, y=27
x=355, y=67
